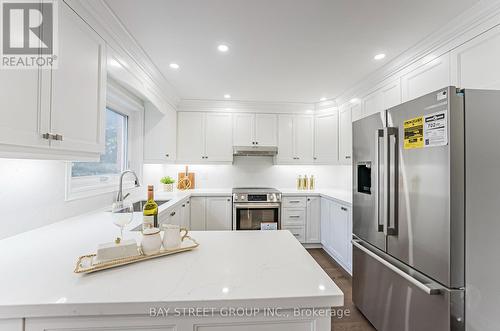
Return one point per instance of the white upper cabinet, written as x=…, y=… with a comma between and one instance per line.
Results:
x=190, y=137
x=295, y=139
x=243, y=125
x=326, y=138
x=304, y=138
x=219, y=133
x=345, y=133
x=70, y=101
x=266, y=128
x=391, y=94
x=373, y=103
x=476, y=63
x=21, y=122
x=204, y=137
x=78, y=86
x=285, y=139
x=255, y=129
x=159, y=134
x=426, y=78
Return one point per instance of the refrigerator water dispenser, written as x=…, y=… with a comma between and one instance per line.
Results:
x=365, y=177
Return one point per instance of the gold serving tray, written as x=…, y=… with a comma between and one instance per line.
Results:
x=87, y=264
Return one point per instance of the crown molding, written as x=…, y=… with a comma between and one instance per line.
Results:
x=148, y=80
x=480, y=18
x=245, y=106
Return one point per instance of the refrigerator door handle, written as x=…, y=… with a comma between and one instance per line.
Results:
x=391, y=174
x=430, y=289
x=378, y=135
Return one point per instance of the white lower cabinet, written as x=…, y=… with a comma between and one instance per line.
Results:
x=198, y=215
x=219, y=213
x=336, y=232
x=185, y=214
x=301, y=216
x=218, y=322
x=211, y=213
x=313, y=224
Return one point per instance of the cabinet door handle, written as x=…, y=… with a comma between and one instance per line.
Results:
x=343, y=208
x=172, y=213
x=187, y=202
x=184, y=205
x=294, y=216
x=229, y=200
x=296, y=234
x=347, y=157
x=167, y=155
x=51, y=136
x=308, y=199
x=294, y=201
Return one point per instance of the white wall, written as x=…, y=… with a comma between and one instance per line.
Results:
x=252, y=171
x=32, y=195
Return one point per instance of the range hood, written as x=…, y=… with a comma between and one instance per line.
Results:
x=255, y=150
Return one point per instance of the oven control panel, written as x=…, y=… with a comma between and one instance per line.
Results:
x=269, y=197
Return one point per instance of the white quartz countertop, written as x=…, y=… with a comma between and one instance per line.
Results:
x=344, y=196
x=233, y=268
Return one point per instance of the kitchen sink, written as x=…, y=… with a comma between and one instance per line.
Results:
x=139, y=205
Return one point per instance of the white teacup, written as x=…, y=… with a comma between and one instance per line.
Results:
x=151, y=241
x=172, y=237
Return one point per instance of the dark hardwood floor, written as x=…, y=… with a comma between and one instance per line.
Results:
x=355, y=321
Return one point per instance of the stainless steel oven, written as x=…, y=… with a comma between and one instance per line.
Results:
x=256, y=209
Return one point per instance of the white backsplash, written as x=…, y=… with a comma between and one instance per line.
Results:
x=32, y=194
x=253, y=171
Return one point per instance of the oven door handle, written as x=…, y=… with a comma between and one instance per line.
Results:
x=256, y=205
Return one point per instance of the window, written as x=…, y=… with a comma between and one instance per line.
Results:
x=86, y=179
x=124, y=123
x=114, y=159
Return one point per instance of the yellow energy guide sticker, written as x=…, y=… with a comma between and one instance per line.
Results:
x=414, y=133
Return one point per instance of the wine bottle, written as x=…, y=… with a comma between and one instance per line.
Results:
x=150, y=211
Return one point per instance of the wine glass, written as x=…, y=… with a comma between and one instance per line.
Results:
x=123, y=214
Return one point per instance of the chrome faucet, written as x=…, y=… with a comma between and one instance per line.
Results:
x=120, y=197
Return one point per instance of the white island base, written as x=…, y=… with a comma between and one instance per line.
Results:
x=234, y=281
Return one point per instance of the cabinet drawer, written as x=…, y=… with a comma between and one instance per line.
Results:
x=298, y=232
x=294, y=202
x=294, y=216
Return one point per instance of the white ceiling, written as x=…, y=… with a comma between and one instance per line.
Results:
x=280, y=50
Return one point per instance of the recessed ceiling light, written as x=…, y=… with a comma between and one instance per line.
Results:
x=354, y=100
x=227, y=96
x=174, y=66
x=322, y=99
x=223, y=48
x=379, y=56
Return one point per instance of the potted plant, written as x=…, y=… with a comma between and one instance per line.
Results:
x=168, y=183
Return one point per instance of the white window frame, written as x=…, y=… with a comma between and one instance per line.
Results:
x=122, y=102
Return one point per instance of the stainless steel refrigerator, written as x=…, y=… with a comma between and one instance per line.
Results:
x=411, y=212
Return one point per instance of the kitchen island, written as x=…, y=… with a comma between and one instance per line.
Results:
x=245, y=280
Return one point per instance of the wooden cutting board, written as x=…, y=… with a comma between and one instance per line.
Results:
x=181, y=185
